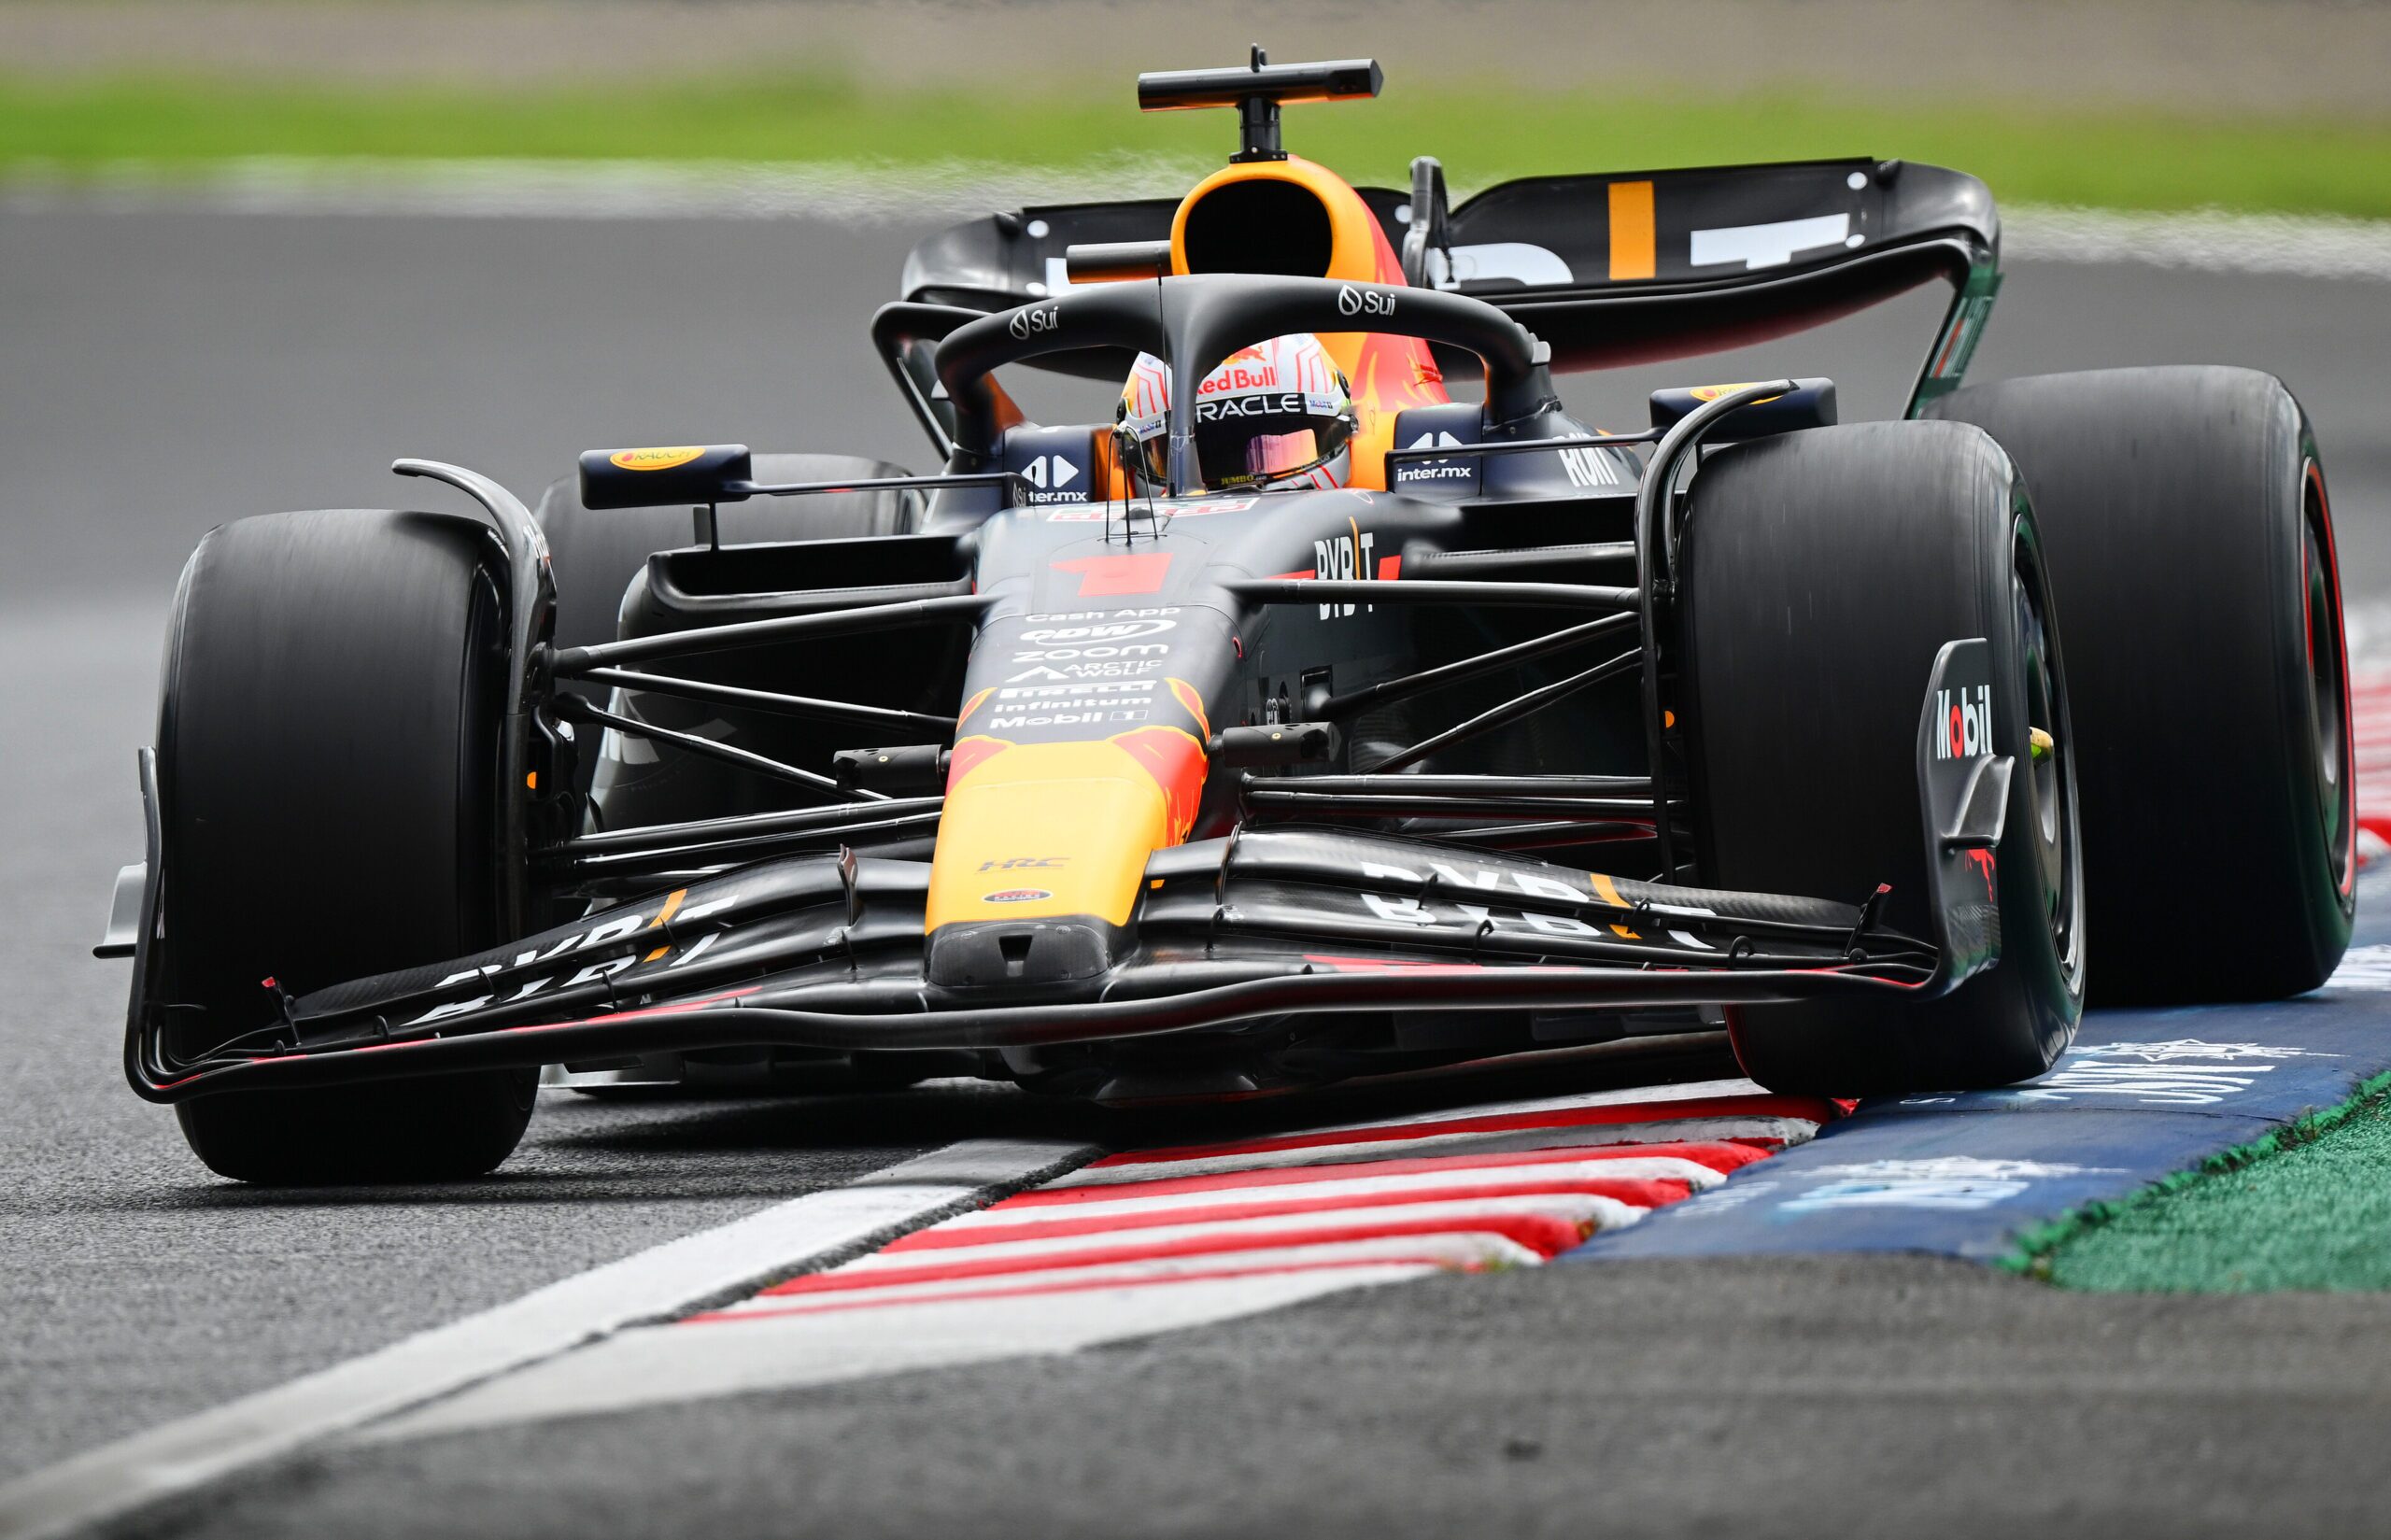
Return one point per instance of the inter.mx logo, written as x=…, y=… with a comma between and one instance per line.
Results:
x=1966, y=715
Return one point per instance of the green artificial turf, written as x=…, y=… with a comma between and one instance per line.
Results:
x=2115, y=158
x=2309, y=1209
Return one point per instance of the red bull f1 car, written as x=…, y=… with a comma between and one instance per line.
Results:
x=1099, y=761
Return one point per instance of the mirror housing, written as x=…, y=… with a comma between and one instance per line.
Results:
x=651, y=478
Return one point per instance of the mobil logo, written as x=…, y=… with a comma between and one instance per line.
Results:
x=1966, y=715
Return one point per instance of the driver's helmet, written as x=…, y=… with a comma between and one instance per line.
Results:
x=1276, y=415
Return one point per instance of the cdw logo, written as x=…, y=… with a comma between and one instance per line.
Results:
x=1966, y=716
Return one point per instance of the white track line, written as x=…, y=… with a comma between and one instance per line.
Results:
x=698, y=1361
x=2206, y=240
x=1167, y=1260
x=659, y=1282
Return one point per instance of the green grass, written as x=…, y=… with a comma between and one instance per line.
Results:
x=2123, y=159
x=2310, y=1208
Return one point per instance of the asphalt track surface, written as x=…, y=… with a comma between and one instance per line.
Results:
x=169, y=371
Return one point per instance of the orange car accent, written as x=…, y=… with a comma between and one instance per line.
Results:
x=1632, y=245
x=1038, y=829
x=1185, y=694
x=1388, y=375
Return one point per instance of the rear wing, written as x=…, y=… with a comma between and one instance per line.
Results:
x=1609, y=270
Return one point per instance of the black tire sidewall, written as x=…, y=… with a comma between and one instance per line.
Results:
x=1836, y=824
x=328, y=752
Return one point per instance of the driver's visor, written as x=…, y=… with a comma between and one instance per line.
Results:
x=1236, y=449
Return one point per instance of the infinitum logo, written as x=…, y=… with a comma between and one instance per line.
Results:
x=1966, y=714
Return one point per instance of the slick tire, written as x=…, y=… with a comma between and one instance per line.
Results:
x=328, y=744
x=2191, y=548
x=1821, y=571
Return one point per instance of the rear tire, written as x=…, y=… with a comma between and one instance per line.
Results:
x=2191, y=546
x=328, y=754
x=1822, y=570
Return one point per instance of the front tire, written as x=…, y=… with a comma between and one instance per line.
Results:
x=1822, y=570
x=328, y=754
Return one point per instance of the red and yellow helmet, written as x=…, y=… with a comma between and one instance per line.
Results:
x=1277, y=415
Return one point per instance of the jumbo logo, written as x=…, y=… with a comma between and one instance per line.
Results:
x=1345, y=557
x=1035, y=322
x=656, y=460
x=1967, y=723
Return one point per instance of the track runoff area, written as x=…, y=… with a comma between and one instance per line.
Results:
x=1001, y=1249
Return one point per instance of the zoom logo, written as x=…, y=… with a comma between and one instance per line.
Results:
x=1364, y=302
x=1031, y=323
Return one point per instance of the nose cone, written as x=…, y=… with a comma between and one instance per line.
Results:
x=1041, y=830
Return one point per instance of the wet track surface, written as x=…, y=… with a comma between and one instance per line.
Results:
x=172, y=371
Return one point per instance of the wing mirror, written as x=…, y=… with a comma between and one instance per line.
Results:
x=1809, y=405
x=651, y=478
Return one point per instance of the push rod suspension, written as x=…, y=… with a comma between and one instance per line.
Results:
x=744, y=848
x=1637, y=787
x=1285, y=798
x=1312, y=590
x=708, y=748
x=576, y=662
x=1338, y=707
x=1513, y=710
x=812, y=821
x=1542, y=835
x=769, y=701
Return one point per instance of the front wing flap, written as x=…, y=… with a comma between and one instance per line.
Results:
x=826, y=953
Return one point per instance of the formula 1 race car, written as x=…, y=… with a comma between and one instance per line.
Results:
x=1104, y=762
